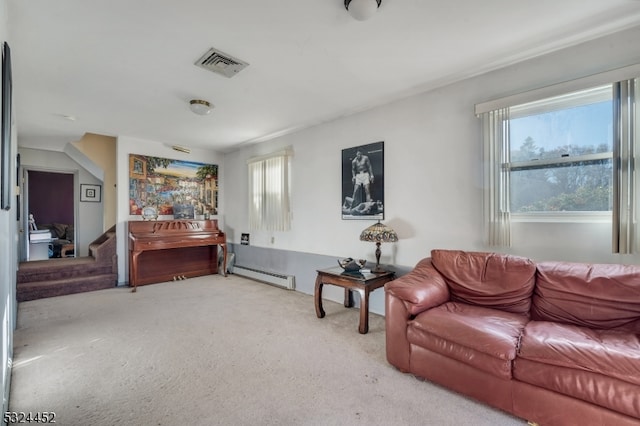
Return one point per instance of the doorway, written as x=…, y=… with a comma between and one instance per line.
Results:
x=49, y=197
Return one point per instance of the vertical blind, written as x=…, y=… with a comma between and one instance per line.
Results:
x=269, y=192
x=496, y=153
x=625, y=186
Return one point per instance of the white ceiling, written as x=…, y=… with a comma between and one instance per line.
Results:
x=126, y=67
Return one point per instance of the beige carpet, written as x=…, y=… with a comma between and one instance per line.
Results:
x=217, y=351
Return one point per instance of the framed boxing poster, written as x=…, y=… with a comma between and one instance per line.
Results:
x=363, y=182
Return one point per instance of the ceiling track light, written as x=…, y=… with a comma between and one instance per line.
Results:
x=200, y=107
x=362, y=10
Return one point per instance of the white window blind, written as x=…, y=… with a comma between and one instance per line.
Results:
x=496, y=152
x=626, y=238
x=269, y=192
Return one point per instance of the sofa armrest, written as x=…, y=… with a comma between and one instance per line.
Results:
x=420, y=289
x=406, y=297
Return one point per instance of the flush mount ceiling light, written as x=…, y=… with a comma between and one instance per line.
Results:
x=200, y=107
x=362, y=10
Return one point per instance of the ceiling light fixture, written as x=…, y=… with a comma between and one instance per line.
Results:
x=200, y=107
x=181, y=149
x=362, y=10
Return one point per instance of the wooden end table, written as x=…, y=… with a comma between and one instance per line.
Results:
x=363, y=283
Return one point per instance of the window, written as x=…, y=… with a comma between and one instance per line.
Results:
x=560, y=153
x=564, y=150
x=269, y=192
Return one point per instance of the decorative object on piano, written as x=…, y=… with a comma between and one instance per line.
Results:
x=351, y=265
x=183, y=211
x=379, y=233
x=149, y=213
x=163, y=183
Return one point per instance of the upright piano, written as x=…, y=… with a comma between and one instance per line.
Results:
x=168, y=250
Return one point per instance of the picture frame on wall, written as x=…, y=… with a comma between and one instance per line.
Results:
x=178, y=188
x=5, y=137
x=90, y=193
x=363, y=182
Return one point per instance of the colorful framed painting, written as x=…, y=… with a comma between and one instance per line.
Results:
x=182, y=189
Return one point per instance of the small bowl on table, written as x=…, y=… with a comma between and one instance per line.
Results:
x=351, y=265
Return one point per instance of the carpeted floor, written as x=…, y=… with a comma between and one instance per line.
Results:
x=217, y=351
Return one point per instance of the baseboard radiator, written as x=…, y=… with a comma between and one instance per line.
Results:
x=279, y=280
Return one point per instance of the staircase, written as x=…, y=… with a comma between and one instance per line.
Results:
x=57, y=277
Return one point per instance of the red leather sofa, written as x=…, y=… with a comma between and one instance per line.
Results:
x=555, y=343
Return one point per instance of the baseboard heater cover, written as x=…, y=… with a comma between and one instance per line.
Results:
x=279, y=280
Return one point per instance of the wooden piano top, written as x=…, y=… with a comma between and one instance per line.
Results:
x=172, y=226
x=153, y=235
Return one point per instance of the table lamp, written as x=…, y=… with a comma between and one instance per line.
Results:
x=379, y=233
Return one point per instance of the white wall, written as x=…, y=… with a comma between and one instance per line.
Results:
x=433, y=170
x=129, y=145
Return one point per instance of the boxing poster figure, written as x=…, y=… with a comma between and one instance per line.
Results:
x=362, y=186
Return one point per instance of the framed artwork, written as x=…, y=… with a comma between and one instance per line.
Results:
x=363, y=182
x=5, y=148
x=90, y=193
x=18, y=188
x=184, y=189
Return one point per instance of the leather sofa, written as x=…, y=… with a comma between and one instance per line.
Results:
x=555, y=343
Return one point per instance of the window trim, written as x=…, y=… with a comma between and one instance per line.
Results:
x=607, y=77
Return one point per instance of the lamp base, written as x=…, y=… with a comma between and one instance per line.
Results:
x=378, y=269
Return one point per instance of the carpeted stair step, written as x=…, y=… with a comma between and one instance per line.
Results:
x=58, y=269
x=61, y=287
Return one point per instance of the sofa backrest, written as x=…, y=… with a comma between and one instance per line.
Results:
x=491, y=280
x=602, y=296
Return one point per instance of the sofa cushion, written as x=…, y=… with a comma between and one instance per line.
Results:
x=598, y=366
x=611, y=353
x=60, y=230
x=602, y=296
x=70, y=233
x=483, y=338
x=595, y=388
x=491, y=280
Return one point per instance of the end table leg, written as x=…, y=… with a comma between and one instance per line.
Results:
x=224, y=258
x=318, y=297
x=348, y=298
x=363, y=328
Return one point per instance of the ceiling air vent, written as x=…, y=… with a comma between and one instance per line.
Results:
x=221, y=63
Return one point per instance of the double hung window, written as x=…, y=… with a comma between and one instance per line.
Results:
x=563, y=152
